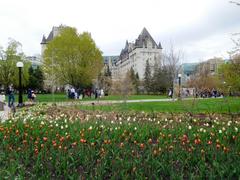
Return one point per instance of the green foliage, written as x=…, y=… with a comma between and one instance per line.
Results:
x=72, y=58
x=8, y=70
x=161, y=79
x=147, y=78
x=230, y=73
x=35, y=78
x=135, y=80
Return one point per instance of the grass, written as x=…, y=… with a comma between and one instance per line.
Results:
x=63, y=97
x=38, y=143
x=218, y=105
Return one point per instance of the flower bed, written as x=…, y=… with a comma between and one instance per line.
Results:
x=38, y=143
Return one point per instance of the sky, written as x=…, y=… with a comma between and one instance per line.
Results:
x=200, y=29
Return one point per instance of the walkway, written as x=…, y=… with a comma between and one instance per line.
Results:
x=5, y=114
x=109, y=102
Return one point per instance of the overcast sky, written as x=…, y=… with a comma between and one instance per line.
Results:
x=201, y=29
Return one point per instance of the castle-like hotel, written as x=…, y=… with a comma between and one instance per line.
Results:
x=134, y=55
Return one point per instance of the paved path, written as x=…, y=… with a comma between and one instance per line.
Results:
x=109, y=102
x=5, y=114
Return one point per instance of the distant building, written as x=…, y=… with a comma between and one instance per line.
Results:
x=135, y=55
x=110, y=60
x=187, y=70
x=54, y=32
x=35, y=60
x=210, y=66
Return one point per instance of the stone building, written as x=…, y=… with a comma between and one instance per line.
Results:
x=54, y=32
x=135, y=55
x=210, y=66
x=35, y=60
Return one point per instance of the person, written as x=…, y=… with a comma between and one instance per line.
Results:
x=33, y=96
x=10, y=93
x=96, y=93
x=29, y=94
x=101, y=93
x=69, y=93
x=72, y=90
x=170, y=93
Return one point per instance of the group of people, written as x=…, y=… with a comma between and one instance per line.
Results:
x=72, y=93
x=11, y=99
x=208, y=94
x=200, y=93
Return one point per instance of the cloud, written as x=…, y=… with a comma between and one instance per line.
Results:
x=200, y=28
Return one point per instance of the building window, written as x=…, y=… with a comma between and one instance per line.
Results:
x=212, y=67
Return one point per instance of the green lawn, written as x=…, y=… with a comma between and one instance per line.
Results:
x=63, y=97
x=219, y=105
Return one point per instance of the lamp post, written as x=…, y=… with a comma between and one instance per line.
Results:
x=20, y=98
x=179, y=84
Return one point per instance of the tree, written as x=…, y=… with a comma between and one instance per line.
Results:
x=123, y=86
x=230, y=73
x=160, y=79
x=105, y=80
x=134, y=80
x=35, y=78
x=205, y=77
x=8, y=59
x=171, y=60
x=72, y=58
x=147, y=78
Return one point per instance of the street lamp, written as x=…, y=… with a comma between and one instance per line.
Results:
x=179, y=84
x=20, y=98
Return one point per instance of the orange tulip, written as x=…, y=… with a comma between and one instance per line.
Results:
x=83, y=140
x=209, y=142
x=225, y=149
x=218, y=146
x=74, y=144
x=197, y=141
x=24, y=142
x=45, y=139
x=36, y=151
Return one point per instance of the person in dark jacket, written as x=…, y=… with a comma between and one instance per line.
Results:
x=10, y=93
